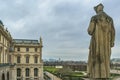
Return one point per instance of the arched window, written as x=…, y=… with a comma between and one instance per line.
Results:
x=3, y=76
x=27, y=59
x=35, y=59
x=18, y=59
x=27, y=72
x=35, y=72
x=7, y=75
x=18, y=72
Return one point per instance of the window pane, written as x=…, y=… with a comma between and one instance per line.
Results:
x=27, y=49
x=27, y=59
x=35, y=78
x=0, y=36
x=18, y=59
x=18, y=49
x=35, y=72
x=18, y=72
x=9, y=59
x=27, y=79
x=27, y=72
x=35, y=49
x=36, y=59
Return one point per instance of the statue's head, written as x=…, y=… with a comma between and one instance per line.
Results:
x=98, y=8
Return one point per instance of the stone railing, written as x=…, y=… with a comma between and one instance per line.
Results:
x=6, y=64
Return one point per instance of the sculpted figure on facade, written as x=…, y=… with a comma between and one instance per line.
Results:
x=102, y=32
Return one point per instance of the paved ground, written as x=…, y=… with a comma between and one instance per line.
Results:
x=53, y=77
x=86, y=79
x=117, y=72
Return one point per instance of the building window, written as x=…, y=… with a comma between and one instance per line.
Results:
x=27, y=59
x=7, y=75
x=18, y=72
x=3, y=76
x=0, y=37
x=18, y=49
x=35, y=59
x=36, y=79
x=9, y=59
x=27, y=72
x=18, y=59
x=35, y=72
x=3, y=40
x=35, y=49
x=27, y=49
x=27, y=79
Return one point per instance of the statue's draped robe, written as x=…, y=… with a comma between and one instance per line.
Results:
x=102, y=33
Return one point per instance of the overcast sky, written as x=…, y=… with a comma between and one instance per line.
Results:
x=61, y=23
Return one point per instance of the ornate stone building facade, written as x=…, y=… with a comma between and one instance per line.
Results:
x=20, y=59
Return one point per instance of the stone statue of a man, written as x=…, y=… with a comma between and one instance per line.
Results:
x=102, y=32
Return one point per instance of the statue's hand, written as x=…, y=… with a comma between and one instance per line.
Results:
x=112, y=44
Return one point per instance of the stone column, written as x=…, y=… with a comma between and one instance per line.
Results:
x=3, y=55
x=31, y=73
x=6, y=57
x=0, y=56
x=12, y=74
x=0, y=73
x=5, y=73
x=23, y=73
x=40, y=73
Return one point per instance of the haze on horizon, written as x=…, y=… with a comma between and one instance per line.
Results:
x=61, y=23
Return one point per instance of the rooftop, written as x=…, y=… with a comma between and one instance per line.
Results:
x=25, y=41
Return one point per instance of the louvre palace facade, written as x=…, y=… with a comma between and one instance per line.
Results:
x=20, y=59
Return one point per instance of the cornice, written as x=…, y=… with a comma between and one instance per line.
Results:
x=5, y=33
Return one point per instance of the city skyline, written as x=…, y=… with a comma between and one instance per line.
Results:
x=62, y=24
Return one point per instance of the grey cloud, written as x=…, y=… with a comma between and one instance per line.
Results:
x=62, y=24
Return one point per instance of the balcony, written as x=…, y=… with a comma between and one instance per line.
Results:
x=6, y=64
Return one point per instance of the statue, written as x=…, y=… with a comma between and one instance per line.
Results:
x=102, y=32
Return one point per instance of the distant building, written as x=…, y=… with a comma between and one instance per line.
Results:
x=74, y=65
x=115, y=63
x=115, y=60
x=59, y=67
x=20, y=59
x=77, y=67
